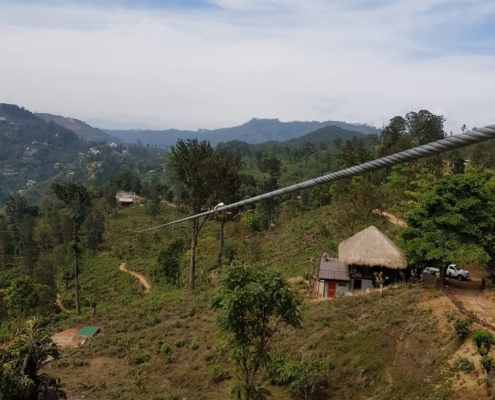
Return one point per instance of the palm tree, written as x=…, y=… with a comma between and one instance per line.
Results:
x=20, y=362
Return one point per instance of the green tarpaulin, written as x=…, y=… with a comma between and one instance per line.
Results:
x=88, y=331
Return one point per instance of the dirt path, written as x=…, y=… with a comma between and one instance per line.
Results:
x=468, y=295
x=391, y=218
x=142, y=279
x=59, y=303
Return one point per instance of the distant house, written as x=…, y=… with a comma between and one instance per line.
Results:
x=9, y=172
x=30, y=183
x=3, y=119
x=113, y=145
x=360, y=256
x=93, y=151
x=125, y=199
x=333, y=277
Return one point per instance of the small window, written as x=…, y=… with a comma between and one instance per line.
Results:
x=342, y=284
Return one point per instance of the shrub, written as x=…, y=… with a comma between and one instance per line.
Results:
x=461, y=326
x=179, y=342
x=194, y=345
x=216, y=373
x=303, y=377
x=483, y=339
x=139, y=357
x=487, y=363
x=449, y=314
x=464, y=364
x=165, y=350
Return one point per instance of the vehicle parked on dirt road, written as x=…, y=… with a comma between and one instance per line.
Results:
x=432, y=270
x=457, y=273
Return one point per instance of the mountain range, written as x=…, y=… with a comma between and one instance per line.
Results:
x=254, y=131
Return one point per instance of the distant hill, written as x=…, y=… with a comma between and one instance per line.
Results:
x=82, y=129
x=38, y=149
x=323, y=135
x=254, y=131
x=32, y=150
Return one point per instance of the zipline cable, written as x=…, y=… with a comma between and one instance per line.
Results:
x=449, y=143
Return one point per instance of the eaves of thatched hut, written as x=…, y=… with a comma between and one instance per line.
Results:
x=371, y=251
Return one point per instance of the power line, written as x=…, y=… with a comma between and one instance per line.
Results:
x=453, y=142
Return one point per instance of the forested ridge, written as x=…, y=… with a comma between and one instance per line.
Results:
x=221, y=319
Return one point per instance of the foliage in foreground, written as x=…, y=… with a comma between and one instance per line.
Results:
x=20, y=362
x=252, y=303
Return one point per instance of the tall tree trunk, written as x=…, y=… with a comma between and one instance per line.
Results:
x=76, y=270
x=220, y=244
x=192, y=262
x=4, y=255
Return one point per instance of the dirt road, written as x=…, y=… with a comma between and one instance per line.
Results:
x=59, y=303
x=471, y=296
x=142, y=279
x=391, y=218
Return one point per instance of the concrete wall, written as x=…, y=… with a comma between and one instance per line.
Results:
x=339, y=290
x=342, y=288
x=365, y=284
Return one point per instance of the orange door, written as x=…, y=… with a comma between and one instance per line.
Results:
x=332, y=287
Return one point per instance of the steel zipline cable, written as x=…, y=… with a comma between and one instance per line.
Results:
x=453, y=142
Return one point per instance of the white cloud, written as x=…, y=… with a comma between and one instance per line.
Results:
x=291, y=60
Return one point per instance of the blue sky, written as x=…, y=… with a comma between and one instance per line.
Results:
x=197, y=63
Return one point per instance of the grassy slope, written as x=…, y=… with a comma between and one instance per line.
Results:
x=387, y=337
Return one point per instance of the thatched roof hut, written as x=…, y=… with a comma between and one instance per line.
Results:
x=371, y=248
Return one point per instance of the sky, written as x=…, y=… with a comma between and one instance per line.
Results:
x=192, y=64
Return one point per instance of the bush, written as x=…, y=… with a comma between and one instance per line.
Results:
x=165, y=350
x=216, y=373
x=483, y=339
x=487, y=363
x=461, y=326
x=464, y=364
x=303, y=377
x=179, y=342
x=139, y=357
x=194, y=345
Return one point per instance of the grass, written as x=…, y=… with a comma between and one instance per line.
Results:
x=165, y=344
x=371, y=345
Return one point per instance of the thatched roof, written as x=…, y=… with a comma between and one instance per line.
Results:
x=371, y=248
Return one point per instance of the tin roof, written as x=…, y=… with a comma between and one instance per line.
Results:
x=332, y=268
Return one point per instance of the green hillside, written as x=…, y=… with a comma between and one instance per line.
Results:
x=83, y=130
x=165, y=327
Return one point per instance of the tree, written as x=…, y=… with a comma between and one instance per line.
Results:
x=168, y=263
x=189, y=160
x=76, y=199
x=20, y=363
x=452, y=221
x=16, y=207
x=252, y=303
x=5, y=240
x=20, y=297
x=94, y=225
x=394, y=137
x=226, y=183
x=424, y=127
x=270, y=166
